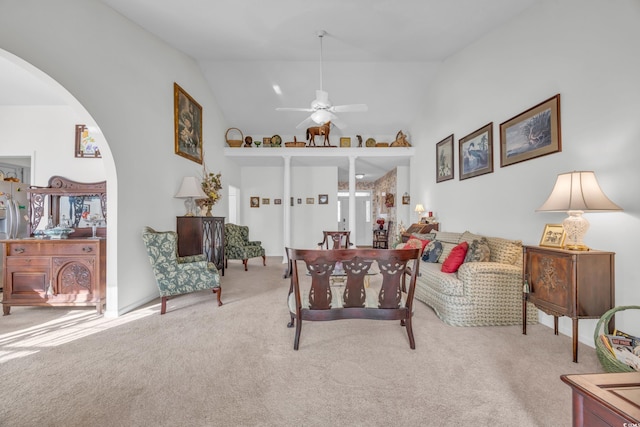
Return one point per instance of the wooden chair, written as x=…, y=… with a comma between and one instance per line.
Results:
x=339, y=239
x=320, y=301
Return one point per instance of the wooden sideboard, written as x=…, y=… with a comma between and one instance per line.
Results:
x=63, y=272
x=202, y=235
x=605, y=399
x=576, y=284
x=420, y=229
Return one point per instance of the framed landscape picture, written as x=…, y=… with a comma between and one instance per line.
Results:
x=553, y=236
x=444, y=159
x=533, y=133
x=476, y=152
x=187, y=124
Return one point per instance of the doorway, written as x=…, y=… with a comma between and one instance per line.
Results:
x=234, y=208
x=363, y=216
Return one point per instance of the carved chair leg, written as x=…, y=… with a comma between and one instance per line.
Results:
x=296, y=341
x=412, y=341
x=245, y=262
x=163, y=306
x=292, y=323
x=218, y=292
x=264, y=260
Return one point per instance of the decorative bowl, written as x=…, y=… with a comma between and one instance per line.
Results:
x=58, y=232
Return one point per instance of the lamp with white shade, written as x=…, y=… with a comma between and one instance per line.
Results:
x=575, y=193
x=190, y=189
x=419, y=210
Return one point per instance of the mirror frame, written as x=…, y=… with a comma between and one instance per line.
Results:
x=60, y=187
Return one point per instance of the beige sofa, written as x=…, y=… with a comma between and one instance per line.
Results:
x=479, y=293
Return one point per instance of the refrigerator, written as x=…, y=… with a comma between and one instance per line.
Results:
x=14, y=213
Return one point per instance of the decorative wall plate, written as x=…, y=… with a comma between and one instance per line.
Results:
x=370, y=142
x=276, y=140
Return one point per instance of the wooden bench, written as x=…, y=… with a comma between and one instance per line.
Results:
x=320, y=301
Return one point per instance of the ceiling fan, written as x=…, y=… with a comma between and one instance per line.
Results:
x=321, y=109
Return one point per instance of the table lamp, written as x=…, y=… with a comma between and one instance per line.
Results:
x=191, y=188
x=575, y=193
x=419, y=210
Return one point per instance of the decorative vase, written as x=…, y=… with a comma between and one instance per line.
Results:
x=207, y=210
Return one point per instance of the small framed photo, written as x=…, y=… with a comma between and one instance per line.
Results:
x=444, y=159
x=345, y=141
x=291, y=201
x=531, y=134
x=475, y=152
x=277, y=201
x=187, y=124
x=553, y=236
x=266, y=201
x=323, y=199
x=255, y=201
x=310, y=200
x=86, y=146
x=299, y=201
x=406, y=199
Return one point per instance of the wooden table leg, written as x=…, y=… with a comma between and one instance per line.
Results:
x=575, y=340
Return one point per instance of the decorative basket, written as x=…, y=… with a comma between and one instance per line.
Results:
x=607, y=360
x=234, y=142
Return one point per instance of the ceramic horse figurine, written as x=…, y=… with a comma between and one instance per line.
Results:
x=319, y=130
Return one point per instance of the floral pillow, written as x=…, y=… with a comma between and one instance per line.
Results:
x=478, y=251
x=432, y=251
x=416, y=243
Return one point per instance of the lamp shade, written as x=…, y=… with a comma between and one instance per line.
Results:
x=419, y=208
x=190, y=187
x=577, y=191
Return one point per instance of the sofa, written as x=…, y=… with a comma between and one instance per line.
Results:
x=486, y=288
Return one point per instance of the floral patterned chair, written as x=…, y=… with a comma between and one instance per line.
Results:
x=178, y=275
x=238, y=246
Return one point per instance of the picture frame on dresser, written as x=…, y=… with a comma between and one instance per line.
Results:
x=444, y=159
x=532, y=133
x=475, y=152
x=187, y=125
x=553, y=236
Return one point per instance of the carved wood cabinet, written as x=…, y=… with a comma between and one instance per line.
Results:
x=576, y=284
x=202, y=235
x=64, y=272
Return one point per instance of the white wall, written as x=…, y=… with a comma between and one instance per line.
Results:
x=585, y=50
x=46, y=133
x=122, y=77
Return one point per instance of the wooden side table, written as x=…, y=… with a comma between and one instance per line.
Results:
x=605, y=399
x=202, y=235
x=576, y=284
x=420, y=229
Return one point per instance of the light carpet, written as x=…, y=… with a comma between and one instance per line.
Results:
x=234, y=365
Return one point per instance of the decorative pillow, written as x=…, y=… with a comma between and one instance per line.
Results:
x=446, y=250
x=400, y=246
x=416, y=243
x=432, y=251
x=478, y=251
x=455, y=258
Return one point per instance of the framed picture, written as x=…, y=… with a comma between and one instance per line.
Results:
x=86, y=146
x=444, y=159
x=188, y=125
x=323, y=199
x=310, y=200
x=255, y=201
x=291, y=201
x=476, y=152
x=406, y=199
x=299, y=201
x=345, y=141
x=553, y=236
x=389, y=200
x=277, y=201
x=266, y=201
x=534, y=133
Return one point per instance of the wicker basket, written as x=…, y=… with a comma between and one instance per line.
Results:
x=234, y=142
x=607, y=360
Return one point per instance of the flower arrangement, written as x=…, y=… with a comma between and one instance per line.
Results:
x=211, y=185
x=380, y=222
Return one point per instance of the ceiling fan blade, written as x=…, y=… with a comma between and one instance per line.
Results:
x=352, y=108
x=309, y=110
x=305, y=123
x=337, y=122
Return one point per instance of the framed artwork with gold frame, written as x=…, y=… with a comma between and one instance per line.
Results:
x=187, y=120
x=553, y=236
x=345, y=141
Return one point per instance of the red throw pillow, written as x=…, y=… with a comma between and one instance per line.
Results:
x=416, y=243
x=455, y=258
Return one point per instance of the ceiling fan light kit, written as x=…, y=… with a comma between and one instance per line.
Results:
x=322, y=110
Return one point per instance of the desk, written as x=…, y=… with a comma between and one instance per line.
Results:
x=605, y=399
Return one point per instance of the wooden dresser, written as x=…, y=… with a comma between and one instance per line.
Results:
x=420, y=229
x=64, y=272
x=576, y=284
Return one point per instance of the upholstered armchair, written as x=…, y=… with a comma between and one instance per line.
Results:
x=238, y=246
x=178, y=275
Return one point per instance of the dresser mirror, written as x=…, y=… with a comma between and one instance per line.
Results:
x=76, y=203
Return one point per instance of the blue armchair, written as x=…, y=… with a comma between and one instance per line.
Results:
x=178, y=275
